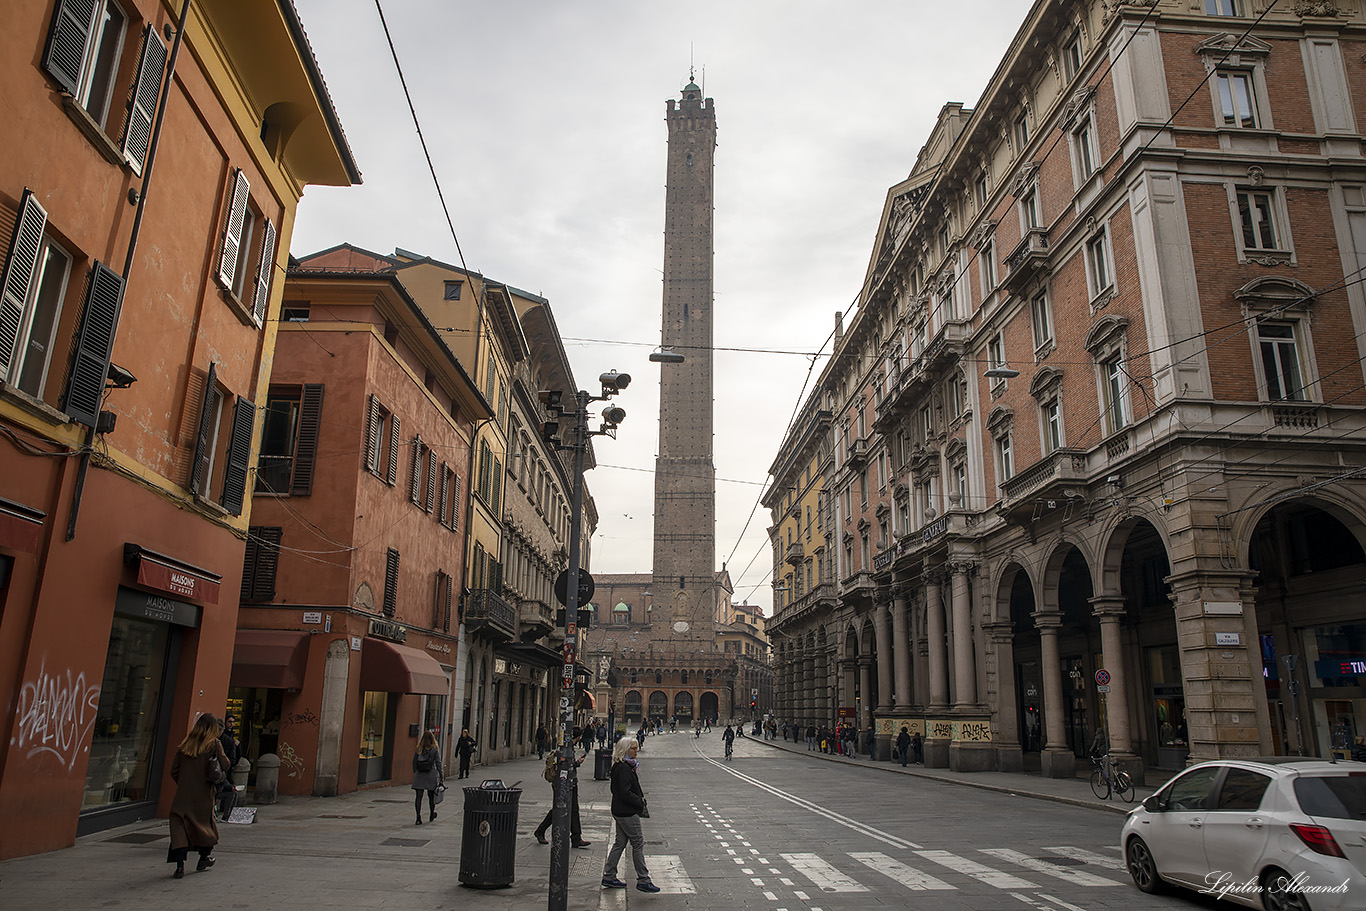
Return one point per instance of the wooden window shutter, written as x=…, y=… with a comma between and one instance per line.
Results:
x=415, y=481
x=496, y=486
x=431, y=481
x=392, y=475
x=306, y=449
x=65, y=51
x=94, y=345
x=455, y=501
x=439, y=600
x=262, y=562
x=373, y=428
x=137, y=137
x=202, y=436
x=264, y=273
x=232, y=231
x=390, y=582
x=249, y=561
x=445, y=494
x=446, y=616
x=239, y=455
x=20, y=263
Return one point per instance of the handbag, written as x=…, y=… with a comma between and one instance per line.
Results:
x=213, y=772
x=644, y=809
x=440, y=792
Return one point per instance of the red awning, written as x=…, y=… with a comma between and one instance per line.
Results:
x=389, y=668
x=272, y=658
x=586, y=701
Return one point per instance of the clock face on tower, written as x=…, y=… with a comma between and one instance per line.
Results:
x=680, y=626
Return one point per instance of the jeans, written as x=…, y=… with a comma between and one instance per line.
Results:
x=630, y=830
x=905, y=755
x=810, y=742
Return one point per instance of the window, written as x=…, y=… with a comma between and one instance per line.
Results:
x=261, y=562
x=1113, y=399
x=996, y=358
x=390, y=605
x=1242, y=790
x=289, y=440
x=1098, y=264
x=1237, y=98
x=1052, y=425
x=924, y=495
x=1071, y=55
x=1222, y=7
x=863, y=488
x=1029, y=210
x=241, y=251
x=926, y=423
x=1084, y=142
x=452, y=291
x=1043, y=322
x=221, y=460
x=34, y=287
x=294, y=312
x=988, y=258
x=1005, y=459
x=953, y=397
x=960, y=483
x=1280, y=360
x=1257, y=210
x=1021, y=132
x=979, y=190
x=441, y=605
x=415, y=477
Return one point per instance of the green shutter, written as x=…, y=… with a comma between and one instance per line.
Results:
x=65, y=52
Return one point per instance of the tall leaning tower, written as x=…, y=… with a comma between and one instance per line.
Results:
x=684, y=576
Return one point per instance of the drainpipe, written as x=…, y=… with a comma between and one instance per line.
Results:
x=84, y=466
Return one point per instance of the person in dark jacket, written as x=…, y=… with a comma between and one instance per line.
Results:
x=464, y=748
x=191, y=816
x=628, y=803
x=918, y=748
x=1359, y=749
x=427, y=775
x=227, y=792
x=575, y=825
x=541, y=738
x=903, y=745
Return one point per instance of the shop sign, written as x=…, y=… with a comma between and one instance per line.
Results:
x=441, y=647
x=1224, y=608
x=845, y=711
x=313, y=616
x=132, y=603
x=1337, y=668
x=935, y=529
x=171, y=576
x=388, y=629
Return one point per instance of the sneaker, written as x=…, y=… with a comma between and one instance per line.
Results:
x=611, y=882
x=647, y=887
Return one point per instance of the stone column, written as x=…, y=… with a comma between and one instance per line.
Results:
x=1005, y=723
x=964, y=666
x=882, y=635
x=901, y=647
x=1109, y=609
x=865, y=683
x=823, y=685
x=1057, y=760
x=934, y=632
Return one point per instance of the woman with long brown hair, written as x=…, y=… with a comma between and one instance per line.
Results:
x=427, y=774
x=192, y=822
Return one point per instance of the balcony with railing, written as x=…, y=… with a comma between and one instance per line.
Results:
x=487, y=612
x=948, y=344
x=537, y=619
x=1027, y=260
x=858, y=452
x=796, y=553
x=1057, y=478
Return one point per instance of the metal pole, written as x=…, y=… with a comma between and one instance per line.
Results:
x=566, y=776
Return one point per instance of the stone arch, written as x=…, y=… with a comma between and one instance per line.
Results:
x=1057, y=555
x=1010, y=567
x=1114, y=541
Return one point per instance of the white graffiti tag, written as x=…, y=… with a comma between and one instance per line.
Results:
x=56, y=713
x=291, y=761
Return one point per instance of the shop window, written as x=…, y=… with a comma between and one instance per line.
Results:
x=289, y=440
x=261, y=562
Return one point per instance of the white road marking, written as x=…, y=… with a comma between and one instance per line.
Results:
x=730, y=851
x=1066, y=874
x=747, y=871
x=909, y=877
x=783, y=879
x=770, y=896
x=756, y=880
x=1091, y=857
x=739, y=860
x=668, y=873
x=802, y=895
x=823, y=875
x=976, y=871
x=1060, y=903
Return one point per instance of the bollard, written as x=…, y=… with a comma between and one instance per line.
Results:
x=267, y=778
x=240, y=773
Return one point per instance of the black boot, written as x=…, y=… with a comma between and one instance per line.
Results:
x=179, y=871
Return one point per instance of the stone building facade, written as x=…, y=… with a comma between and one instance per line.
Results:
x=1091, y=458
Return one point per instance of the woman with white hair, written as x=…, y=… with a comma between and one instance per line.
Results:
x=628, y=806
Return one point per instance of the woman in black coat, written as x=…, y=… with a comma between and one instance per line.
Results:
x=628, y=806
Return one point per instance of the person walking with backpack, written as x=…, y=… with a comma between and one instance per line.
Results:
x=551, y=775
x=628, y=809
x=427, y=775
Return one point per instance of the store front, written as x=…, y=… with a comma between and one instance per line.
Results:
x=1335, y=665
x=268, y=666
x=131, y=728
x=1167, y=707
x=388, y=672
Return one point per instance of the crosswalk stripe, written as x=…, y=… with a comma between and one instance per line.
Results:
x=668, y=873
x=1066, y=874
x=975, y=870
x=825, y=877
x=1091, y=857
x=909, y=877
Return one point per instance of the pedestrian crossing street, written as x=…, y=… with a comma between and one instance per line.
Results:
x=807, y=875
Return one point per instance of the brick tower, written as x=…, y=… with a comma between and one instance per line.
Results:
x=684, y=579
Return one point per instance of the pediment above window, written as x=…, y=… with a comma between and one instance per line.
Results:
x=1105, y=330
x=1000, y=418
x=1278, y=292
x=1023, y=178
x=1045, y=380
x=955, y=450
x=1079, y=102
x=1218, y=46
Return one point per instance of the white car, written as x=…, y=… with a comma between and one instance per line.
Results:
x=1284, y=834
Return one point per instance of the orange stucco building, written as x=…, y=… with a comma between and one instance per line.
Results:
x=137, y=322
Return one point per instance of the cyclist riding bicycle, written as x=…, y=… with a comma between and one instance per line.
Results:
x=729, y=738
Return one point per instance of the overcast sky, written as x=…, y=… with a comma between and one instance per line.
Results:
x=546, y=125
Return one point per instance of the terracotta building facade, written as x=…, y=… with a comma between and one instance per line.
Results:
x=137, y=320
x=1098, y=467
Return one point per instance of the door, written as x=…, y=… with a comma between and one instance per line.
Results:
x=1175, y=833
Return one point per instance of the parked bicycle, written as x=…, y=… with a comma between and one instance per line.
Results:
x=1106, y=779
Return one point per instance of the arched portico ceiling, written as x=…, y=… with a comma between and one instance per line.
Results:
x=1068, y=557
x=1241, y=525
x=1143, y=530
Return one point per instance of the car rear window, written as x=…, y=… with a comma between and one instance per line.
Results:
x=1333, y=797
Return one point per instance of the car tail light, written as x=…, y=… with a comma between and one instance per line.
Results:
x=1319, y=839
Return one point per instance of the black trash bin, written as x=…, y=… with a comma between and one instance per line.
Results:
x=602, y=765
x=488, y=843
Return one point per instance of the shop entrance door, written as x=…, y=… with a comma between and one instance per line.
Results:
x=376, y=737
x=1030, y=687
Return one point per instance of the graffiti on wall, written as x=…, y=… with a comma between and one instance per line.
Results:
x=304, y=717
x=290, y=761
x=56, y=714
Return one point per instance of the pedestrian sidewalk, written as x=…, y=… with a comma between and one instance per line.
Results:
x=1074, y=791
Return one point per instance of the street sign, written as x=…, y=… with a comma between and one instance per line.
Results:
x=1102, y=677
x=1103, y=688
x=586, y=587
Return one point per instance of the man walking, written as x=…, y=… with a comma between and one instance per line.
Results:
x=464, y=748
x=903, y=745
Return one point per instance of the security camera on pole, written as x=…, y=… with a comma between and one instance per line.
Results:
x=612, y=383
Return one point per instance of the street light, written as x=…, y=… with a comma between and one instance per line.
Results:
x=666, y=356
x=1001, y=373
x=565, y=773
